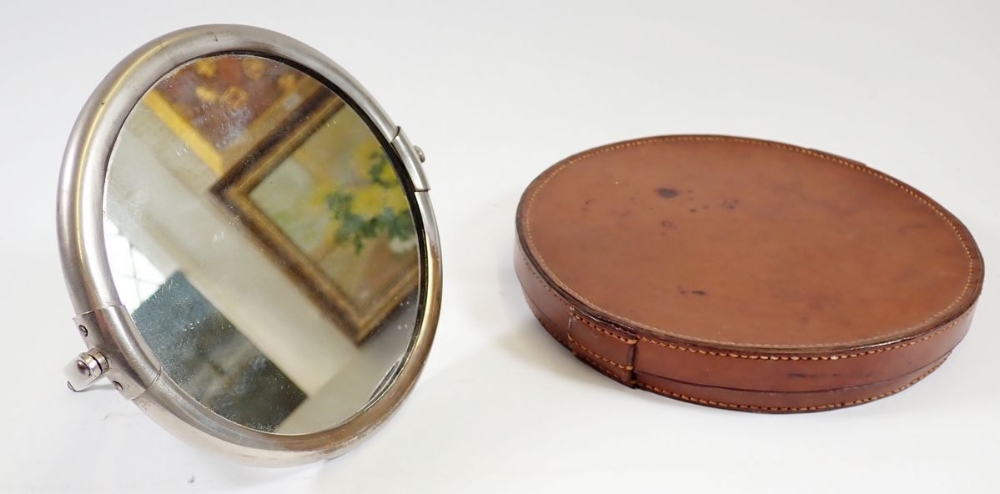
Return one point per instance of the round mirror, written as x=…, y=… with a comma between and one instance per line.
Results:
x=249, y=245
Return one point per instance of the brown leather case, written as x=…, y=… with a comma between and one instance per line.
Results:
x=745, y=274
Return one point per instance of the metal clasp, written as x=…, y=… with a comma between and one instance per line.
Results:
x=413, y=158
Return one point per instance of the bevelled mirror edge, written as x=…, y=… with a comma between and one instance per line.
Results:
x=103, y=323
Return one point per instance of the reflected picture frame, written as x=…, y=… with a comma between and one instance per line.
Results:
x=356, y=315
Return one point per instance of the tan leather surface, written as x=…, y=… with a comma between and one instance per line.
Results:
x=713, y=268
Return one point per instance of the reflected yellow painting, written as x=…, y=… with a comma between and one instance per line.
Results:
x=304, y=173
x=221, y=106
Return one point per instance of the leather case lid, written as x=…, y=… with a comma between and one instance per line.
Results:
x=727, y=245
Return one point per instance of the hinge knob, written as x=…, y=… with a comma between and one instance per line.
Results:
x=86, y=368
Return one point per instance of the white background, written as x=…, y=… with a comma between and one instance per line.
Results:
x=495, y=94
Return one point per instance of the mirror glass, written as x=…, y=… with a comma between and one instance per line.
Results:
x=260, y=237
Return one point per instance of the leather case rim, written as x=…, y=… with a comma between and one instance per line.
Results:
x=792, y=379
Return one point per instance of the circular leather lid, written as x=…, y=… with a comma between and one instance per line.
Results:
x=739, y=243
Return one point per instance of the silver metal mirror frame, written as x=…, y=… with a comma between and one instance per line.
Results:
x=106, y=326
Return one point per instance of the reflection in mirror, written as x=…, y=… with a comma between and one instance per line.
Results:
x=260, y=237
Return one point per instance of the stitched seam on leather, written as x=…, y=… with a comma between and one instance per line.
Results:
x=591, y=352
x=787, y=147
x=593, y=364
x=671, y=346
x=606, y=372
x=629, y=341
x=818, y=357
x=570, y=337
x=813, y=408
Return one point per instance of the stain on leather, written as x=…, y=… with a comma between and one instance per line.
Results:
x=667, y=193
